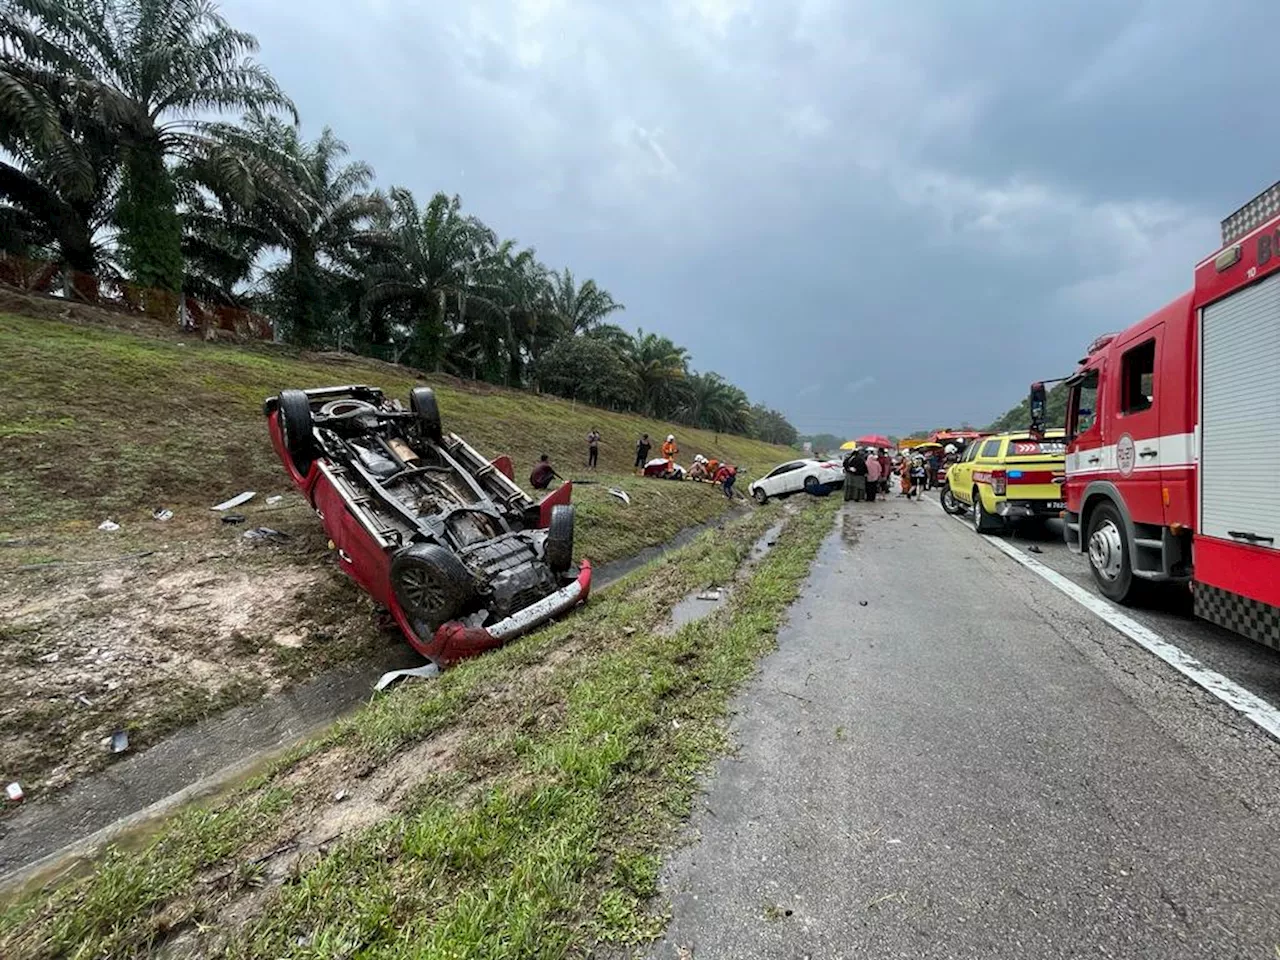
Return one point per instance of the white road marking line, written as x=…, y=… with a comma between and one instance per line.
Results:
x=1254, y=708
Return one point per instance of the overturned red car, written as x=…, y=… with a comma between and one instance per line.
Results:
x=462, y=557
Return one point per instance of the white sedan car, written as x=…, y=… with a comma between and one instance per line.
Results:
x=810, y=476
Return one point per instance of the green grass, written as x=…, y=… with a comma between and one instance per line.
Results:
x=105, y=422
x=578, y=752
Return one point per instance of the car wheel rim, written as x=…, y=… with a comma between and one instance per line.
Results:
x=977, y=511
x=422, y=590
x=948, y=500
x=1106, y=551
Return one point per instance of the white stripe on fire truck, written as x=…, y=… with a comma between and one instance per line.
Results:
x=1172, y=451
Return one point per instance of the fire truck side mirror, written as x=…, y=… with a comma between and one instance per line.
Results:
x=1038, y=402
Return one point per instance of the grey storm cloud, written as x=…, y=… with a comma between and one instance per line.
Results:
x=873, y=216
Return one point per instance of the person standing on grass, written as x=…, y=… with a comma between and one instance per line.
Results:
x=593, y=448
x=873, y=476
x=643, y=446
x=726, y=476
x=669, y=449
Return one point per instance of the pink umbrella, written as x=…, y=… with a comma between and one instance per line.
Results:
x=873, y=440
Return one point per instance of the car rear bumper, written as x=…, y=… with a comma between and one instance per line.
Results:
x=456, y=641
x=1028, y=509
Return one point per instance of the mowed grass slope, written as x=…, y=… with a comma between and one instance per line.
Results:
x=100, y=422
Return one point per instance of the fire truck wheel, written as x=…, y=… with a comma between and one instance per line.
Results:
x=1109, y=554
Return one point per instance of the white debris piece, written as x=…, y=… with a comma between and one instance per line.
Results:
x=162, y=514
x=276, y=499
x=108, y=525
x=14, y=792
x=426, y=671
x=620, y=494
x=235, y=501
x=50, y=657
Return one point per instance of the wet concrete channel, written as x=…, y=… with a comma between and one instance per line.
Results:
x=704, y=601
x=56, y=834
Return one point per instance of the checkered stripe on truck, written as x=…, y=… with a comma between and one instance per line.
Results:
x=1251, y=618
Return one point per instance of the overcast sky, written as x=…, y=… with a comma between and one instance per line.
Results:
x=871, y=215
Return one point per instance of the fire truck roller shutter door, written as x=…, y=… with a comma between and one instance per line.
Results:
x=1240, y=416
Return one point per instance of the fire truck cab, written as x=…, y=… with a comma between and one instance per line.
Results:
x=1173, y=428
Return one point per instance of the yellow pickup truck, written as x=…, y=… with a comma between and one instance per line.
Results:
x=1008, y=478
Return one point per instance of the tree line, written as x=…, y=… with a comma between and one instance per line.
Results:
x=115, y=166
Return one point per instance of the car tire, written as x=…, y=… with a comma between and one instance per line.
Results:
x=949, y=502
x=812, y=487
x=1108, y=549
x=430, y=583
x=294, y=410
x=759, y=496
x=559, y=546
x=422, y=401
x=983, y=522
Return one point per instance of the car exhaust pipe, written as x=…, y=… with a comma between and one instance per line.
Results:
x=456, y=641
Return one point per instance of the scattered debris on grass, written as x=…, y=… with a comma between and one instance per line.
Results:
x=110, y=526
x=163, y=514
x=237, y=500
x=119, y=741
x=13, y=792
x=266, y=533
x=424, y=672
x=273, y=500
x=620, y=494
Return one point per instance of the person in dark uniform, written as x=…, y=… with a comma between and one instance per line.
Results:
x=643, y=446
x=543, y=473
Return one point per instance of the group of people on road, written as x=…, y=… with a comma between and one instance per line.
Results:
x=868, y=471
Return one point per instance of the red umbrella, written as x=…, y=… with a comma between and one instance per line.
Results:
x=873, y=440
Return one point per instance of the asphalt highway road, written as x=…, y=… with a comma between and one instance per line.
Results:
x=948, y=757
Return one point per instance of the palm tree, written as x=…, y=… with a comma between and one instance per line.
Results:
x=320, y=211
x=59, y=180
x=144, y=71
x=712, y=402
x=579, y=308
x=435, y=256
x=661, y=367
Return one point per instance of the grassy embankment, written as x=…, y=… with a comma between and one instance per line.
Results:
x=517, y=807
x=100, y=422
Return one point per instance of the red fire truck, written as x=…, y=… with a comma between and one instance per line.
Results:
x=1173, y=456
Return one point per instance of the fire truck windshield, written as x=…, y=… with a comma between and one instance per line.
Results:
x=1083, y=404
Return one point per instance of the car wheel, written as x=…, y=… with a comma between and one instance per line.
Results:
x=760, y=496
x=294, y=410
x=983, y=522
x=812, y=487
x=949, y=502
x=559, y=545
x=430, y=583
x=422, y=401
x=1108, y=547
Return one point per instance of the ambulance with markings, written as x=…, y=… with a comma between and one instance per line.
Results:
x=1173, y=438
